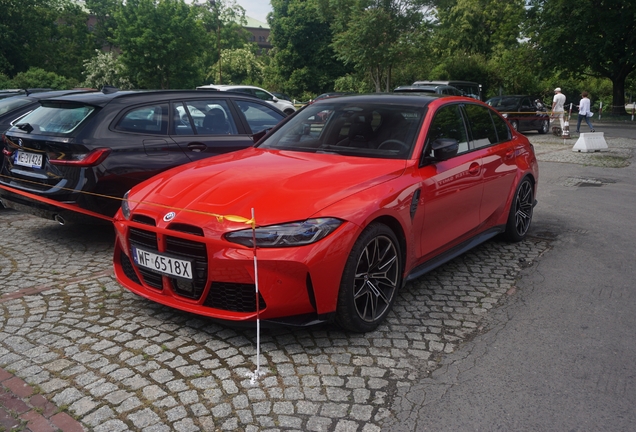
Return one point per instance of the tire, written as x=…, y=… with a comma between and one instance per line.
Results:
x=370, y=280
x=545, y=127
x=289, y=111
x=515, y=125
x=521, y=210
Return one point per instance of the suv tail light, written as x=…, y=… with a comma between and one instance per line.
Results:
x=93, y=158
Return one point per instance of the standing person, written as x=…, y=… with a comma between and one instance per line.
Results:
x=557, y=106
x=584, y=112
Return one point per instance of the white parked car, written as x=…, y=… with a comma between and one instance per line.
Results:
x=285, y=106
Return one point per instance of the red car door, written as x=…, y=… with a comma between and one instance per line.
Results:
x=451, y=190
x=491, y=139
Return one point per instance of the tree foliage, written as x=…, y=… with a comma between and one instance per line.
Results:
x=105, y=69
x=161, y=43
x=478, y=26
x=303, y=60
x=37, y=77
x=376, y=35
x=103, y=12
x=50, y=34
x=239, y=66
x=595, y=37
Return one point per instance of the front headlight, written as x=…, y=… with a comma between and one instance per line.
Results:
x=125, y=207
x=286, y=235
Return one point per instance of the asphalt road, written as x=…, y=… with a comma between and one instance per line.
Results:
x=560, y=355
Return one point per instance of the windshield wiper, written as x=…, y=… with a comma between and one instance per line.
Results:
x=25, y=127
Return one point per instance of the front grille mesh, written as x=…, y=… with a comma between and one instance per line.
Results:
x=234, y=297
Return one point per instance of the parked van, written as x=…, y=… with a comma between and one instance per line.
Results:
x=469, y=88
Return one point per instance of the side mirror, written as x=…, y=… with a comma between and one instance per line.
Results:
x=260, y=134
x=442, y=149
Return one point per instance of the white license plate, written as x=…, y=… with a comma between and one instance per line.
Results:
x=162, y=263
x=32, y=160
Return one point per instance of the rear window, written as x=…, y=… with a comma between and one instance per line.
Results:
x=12, y=103
x=56, y=119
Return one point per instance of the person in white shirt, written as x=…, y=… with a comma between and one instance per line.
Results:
x=557, y=106
x=584, y=112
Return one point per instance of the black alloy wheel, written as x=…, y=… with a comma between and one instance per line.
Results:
x=370, y=281
x=521, y=210
x=545, y=126
x=515, y=124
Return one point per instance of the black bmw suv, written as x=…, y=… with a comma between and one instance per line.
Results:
x=86, y=150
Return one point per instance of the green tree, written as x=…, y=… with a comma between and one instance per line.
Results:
x=36, y=77
x=103, y=12
x=161, y=43
x=105, y=69
x=516, y=70
x=595, y=37
x=67, y=41
x=223, y=21
x=240, y=66
x=24, y=25
x=478, y=26
x=302, y=59
x=376, y=35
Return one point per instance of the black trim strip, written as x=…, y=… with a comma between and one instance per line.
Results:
x=453, y=252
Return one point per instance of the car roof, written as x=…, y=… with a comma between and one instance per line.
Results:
x=224, y=86
x=416, y=99
x=101, y=99
x=422, y=88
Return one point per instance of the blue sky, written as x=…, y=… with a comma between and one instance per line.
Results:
x=257, y=9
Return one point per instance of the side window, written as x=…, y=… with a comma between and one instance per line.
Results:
x=263, y=95
x=150, y=119
x=481, y=125
x=210, y=117
x=525, y=103
x=259, y=116
x=244, y=90
x=503, y=132
x=448, y=123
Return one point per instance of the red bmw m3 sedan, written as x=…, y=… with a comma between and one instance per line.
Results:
x=352, y=197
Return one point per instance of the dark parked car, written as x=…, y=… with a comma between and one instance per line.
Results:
x=87, y=150
x=523, y=112
x=328, y=95
x=431, y=89
x=14, y=107
x=20, y=92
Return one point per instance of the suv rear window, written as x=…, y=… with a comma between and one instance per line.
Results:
x=57, y=119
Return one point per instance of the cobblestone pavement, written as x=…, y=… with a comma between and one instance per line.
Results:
x=116, y=362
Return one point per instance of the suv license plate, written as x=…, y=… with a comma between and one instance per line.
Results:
x=162, y=264
x=31, y=160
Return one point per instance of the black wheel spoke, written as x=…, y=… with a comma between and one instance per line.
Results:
x=376, y=278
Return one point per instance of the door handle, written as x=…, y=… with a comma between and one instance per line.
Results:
x=474, y=168
x=510, y=154
x=197, y=147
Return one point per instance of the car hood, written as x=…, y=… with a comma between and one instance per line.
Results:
x=280, y=186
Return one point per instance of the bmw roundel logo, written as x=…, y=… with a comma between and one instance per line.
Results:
x=169, y=216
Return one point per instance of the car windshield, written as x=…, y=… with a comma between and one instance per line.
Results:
x=351, y=128
x=56, y=118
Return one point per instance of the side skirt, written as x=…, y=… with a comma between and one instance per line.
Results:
x=453, y=252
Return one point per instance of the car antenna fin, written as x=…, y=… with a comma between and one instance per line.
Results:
x=108, y=89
